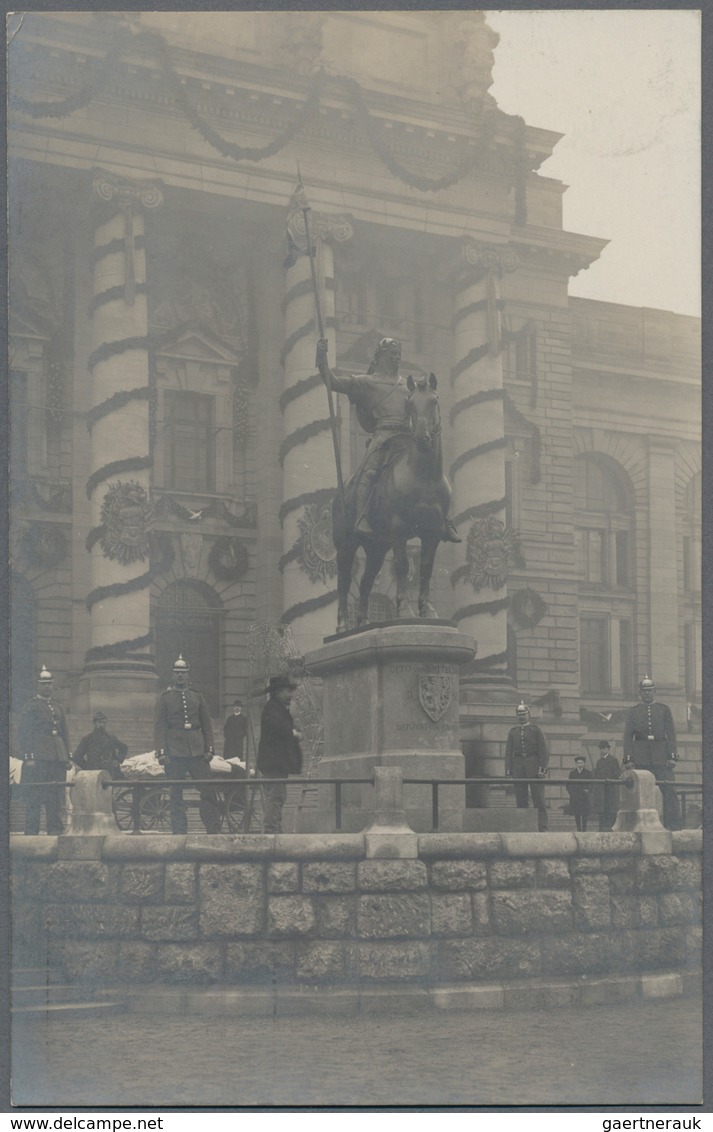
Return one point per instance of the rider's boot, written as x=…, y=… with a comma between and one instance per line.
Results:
x=363, y=492
x=450, y=533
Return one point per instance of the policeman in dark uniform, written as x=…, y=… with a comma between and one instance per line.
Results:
x=527, y=756
x=44, y=746
x=183, y=737
x=100, y=750
x=650, y=744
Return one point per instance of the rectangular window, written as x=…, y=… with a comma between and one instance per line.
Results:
x=622, y=558
x=595, y=545
x=626, y=659
x=190, y=441
x=594, y=655
x=19, y=420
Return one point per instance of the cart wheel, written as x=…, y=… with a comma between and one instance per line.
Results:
x=243, y=811
x=121, y=805
x=155, y=811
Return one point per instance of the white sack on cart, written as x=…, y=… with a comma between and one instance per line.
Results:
x=140, y=765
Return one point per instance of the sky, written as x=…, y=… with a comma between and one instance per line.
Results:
x=623, y=87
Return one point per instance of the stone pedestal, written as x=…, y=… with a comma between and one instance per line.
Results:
x=391, y=700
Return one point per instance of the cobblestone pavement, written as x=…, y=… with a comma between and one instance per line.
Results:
x=638, y=1053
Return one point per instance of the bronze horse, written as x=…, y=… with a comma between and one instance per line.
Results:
x=410, y=500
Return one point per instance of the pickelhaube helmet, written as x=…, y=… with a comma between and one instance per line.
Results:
x=646, y=684
x=522, y=708
x=181, y=665
x=45, y=676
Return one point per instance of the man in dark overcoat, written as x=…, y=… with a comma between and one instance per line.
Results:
x=235, y=733
x=183, y=737
x=605, y=797
x=279, y=752
x=578, y=788
x=650, y=744
x=44, y=747
x=527, y=756
x=100, y=750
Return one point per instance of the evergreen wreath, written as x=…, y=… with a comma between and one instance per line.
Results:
x=229, y=559
x=44, y=545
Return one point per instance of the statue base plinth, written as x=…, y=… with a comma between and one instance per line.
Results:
x=391, y=699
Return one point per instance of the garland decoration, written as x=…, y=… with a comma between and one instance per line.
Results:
x=321, y=495
x=490, y=508
x=120, y=650
x=114, y=246
x=132, y=464
x=300, y=435
x=117, y=401
x=300, y=387
x=111, y=349
x=476, y=399
x=229, y=559
x=354, y=93
x=479, y=450
x=491, y=607
x=304, y=607
x=112, y=294
x=241, y=410
x=471, y=358
x=44, y=545
x=167, y=505
x=118, y=589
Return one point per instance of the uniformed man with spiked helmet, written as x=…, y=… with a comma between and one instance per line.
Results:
x=650, y=744
x=183, y=737
x=44, y=747
x=527, y=756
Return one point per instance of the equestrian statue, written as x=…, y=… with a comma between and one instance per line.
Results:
x=399, y=491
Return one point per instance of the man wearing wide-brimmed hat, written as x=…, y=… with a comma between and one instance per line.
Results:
x=279, y=752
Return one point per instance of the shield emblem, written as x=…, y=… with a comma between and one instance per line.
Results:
x=434, y=694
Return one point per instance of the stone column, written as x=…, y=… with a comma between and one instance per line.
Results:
x=478, y=470
x=307, y=452
x=663, y=662
x=118, y=422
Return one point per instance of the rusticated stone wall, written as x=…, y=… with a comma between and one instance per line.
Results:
x=298, y=910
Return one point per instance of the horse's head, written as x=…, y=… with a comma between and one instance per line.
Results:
x=423, y=412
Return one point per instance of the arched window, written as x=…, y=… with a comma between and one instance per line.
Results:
x=604, y=541
x=188, y=621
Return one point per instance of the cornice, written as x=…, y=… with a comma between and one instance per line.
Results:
x=556, y=247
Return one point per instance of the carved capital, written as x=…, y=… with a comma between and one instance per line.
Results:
x=127, y=193
x=488, y=257
x=327, y=226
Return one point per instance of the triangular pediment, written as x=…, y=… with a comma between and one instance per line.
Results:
x=198, y=343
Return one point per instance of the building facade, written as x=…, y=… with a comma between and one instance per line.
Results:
x=171, y=452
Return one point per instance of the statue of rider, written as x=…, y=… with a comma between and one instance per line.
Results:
x=380, y=397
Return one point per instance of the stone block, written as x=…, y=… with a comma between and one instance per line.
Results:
x=84, y=847
x=40, y=848
x=481, y=912
x=688, y=841
x=607, y=844
x=690, y=872
x=511, y=874
x=585, y=866
x=661, y=947
x=487, y=959
x=661, y=986
x=178, y=922
x=552, y=873
x=229, y=847
x=656, y=874
x=539, y=844
x=197, y=963
x=655, y=842
x=468, y=998
x=500, y=819
x=694, y=947
x=591, y=902
x=92, y=921
x=622, y=883
x=77, y=880
x=394, y=915
x=156, y=847
x=231, y=899
x=89, y=964
x=291, y=916
x=283, y=877
x=586, y=953
x=451, y=913
x=319, y=960
x=329, y=876
x=179, y=882
x=264, y=962
x=677, y=908
x=624, y=912
x=615, y=865
x=519, y=913
x=648, y=909
x=599, y=992
x=456, y=875
x=539, y=996
x=141, y=882
x=320, y=846
x=336, y=916
x=408, y=960
x=456, y=846
x=391, y=876
x=386, y=844
x=136, y=962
